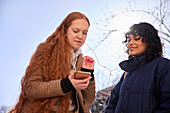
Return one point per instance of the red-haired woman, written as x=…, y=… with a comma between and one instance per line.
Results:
x=49, y=85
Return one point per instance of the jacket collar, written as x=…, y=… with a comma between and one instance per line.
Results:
x=75, y=58
x=133, y=63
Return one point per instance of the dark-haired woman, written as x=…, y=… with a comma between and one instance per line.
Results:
x=145, y=85
x=49, y=85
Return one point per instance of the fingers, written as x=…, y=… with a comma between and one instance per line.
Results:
x=88, y=62
x=84, y=80
x=71, y=76
x=89, y=58
x=83, y=86
x=79, y=84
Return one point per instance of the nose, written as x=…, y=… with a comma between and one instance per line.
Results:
x=80, y=35
x=131, y=42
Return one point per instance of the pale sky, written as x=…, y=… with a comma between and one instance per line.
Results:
x=26, y=23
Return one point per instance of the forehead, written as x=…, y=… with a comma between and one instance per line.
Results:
x=80, y=24
x=133, y=34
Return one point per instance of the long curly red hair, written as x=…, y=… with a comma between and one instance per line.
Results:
x=54, y=57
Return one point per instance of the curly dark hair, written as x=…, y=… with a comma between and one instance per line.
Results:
x=150, y=36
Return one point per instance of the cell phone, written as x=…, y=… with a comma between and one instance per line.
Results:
x=82, y=75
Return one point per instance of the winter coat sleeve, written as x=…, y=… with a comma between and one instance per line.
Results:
x=35, y=87
x=89, y=93
x=112, y=100
x=163, y=83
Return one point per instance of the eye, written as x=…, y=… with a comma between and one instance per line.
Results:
x=137, y=38
x=75, y=31
x=85, y=33
x=128, y=39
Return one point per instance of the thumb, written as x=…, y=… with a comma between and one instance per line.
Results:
x=72, y=74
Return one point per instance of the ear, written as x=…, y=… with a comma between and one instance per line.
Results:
x=65, y=36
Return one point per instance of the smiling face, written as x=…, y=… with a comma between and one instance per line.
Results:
x=135, y=45
x=77, y=33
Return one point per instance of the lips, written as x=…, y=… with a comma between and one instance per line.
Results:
x=78, y=41
x=132, y=48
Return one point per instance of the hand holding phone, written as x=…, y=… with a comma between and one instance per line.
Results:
x=82, y=75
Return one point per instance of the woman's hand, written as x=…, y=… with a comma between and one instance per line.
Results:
x=88, y=63
x=77, y=83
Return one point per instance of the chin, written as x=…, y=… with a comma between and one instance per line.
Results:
x=132, y=54
x=76, y=48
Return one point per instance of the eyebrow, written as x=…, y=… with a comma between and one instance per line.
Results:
x=78, y=29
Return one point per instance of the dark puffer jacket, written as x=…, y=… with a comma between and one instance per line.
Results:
x=146, y=88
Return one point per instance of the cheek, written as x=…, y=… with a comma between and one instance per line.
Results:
x=70, y=36
x=143, y=47
x=84, y=39
x=69, y=40
x=128, y=45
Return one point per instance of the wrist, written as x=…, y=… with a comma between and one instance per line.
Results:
x=66, y=85
x=89, y=70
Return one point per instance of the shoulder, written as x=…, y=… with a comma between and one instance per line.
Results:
x=163, y=64
x=162, y=61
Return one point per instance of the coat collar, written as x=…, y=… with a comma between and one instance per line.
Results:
x=133, y=63
x=76, y=53
x=74, y=58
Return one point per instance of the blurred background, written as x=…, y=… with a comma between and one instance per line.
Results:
x=24, y=24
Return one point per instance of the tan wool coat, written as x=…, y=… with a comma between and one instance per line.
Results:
x=36, y=88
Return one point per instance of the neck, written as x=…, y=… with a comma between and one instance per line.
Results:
x=74, y=50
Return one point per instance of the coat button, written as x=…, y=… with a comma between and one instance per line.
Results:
x=126, y=90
